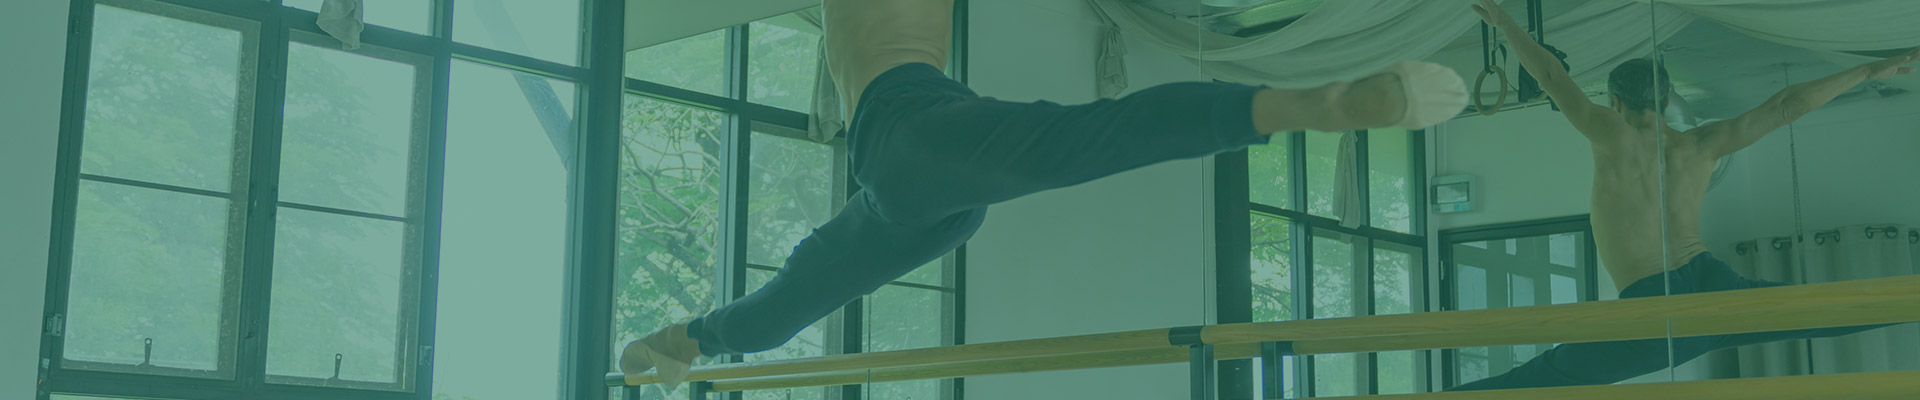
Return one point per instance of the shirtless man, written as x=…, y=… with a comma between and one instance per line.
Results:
x=1627, y=137
x=930, y=156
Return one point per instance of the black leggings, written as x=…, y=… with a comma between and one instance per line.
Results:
x=1603, y=363
x=930, y=156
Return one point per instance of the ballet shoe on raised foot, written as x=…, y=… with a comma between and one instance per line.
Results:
x=1428, y=94
x=668, y=352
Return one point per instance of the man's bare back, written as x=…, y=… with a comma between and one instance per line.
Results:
x=1627, y=193
x=868, y=37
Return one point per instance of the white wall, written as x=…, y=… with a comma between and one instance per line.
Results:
x=1527, y=164
x=1856, y=165
x=33, y=38
x=1123, y=253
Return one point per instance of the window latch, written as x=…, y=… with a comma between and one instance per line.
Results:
x=146, y=360
x=56, y=325
x=426, y=356
x=337, y=357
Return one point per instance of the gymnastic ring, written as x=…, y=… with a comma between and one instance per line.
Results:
x=1477, y=82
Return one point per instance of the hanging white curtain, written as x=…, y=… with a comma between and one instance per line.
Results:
x=1828, y=27
x=827, y=118
x=1346, y=39
x=1848, y=253
x=651, y=22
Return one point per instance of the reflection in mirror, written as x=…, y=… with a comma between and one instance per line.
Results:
x=1729, y=158
x=1774, y=110
x=1572, y=109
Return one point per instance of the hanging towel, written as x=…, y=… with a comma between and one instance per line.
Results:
x=827, y=119
x=342, y=19
x=1110, y=68
x=1347, y=204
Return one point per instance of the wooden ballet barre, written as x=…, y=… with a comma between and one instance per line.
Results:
x=1863, y=302
x=1168, y=355
x=1898, y=385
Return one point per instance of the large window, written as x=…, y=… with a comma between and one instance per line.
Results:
x=1330, y=230
x=719, y=180
x=481, y=202
x=1516, y=265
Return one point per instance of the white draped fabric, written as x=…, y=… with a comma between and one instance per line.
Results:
x=1848, y=253
x=651, y=22
x=1349, y=38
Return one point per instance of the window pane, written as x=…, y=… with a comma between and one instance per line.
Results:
x=1334, y=375
x=1323, y=156
x=1565, y=290
x=907, y=390
x=406, y=15
x=932, y=274
x=349, y=127
x=1397, y=371
x=668, y=222
x=543, y=29
x=337, y=293
x=784, y=59
x=696, y=63
x=1288, y=388
x=900, y=318
x=1333, y=297
x=1272, y=269
x=1563, y=249
x=502, y=244
x=1514, y=272
x=1333, y=277
x=150, y=264
x=814, y=341
x=790, y=194
x=1393, y=280
x=163, y=100
x=1270, y=173
x=1390, y=179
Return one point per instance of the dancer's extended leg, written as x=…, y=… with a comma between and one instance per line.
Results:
x=1601, y=363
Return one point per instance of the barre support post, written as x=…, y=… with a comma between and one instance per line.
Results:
x=1272, y=359
x=1203, y=382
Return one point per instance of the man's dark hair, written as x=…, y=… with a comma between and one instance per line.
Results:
x=1632, y=83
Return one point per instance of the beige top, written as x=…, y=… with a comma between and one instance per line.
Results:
x=868, y=37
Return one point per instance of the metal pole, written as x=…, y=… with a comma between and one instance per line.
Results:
x=1202, y=372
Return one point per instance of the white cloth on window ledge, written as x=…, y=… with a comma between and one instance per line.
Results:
x=1347, y=204
x=343, y=20
x=827, y=119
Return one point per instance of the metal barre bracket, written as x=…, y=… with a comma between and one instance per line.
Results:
x=1185, y=336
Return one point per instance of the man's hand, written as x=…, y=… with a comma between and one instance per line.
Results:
x=1888, y=68
x=1493, y=15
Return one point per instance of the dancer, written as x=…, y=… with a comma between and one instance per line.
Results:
x=930, y=156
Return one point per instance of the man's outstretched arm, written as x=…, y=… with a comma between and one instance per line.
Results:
x=1589, y=118
x=1725, y=137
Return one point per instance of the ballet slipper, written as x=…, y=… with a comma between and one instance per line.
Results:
x=1433, y=93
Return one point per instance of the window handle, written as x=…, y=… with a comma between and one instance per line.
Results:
x=147, y=360
x=336, y=367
